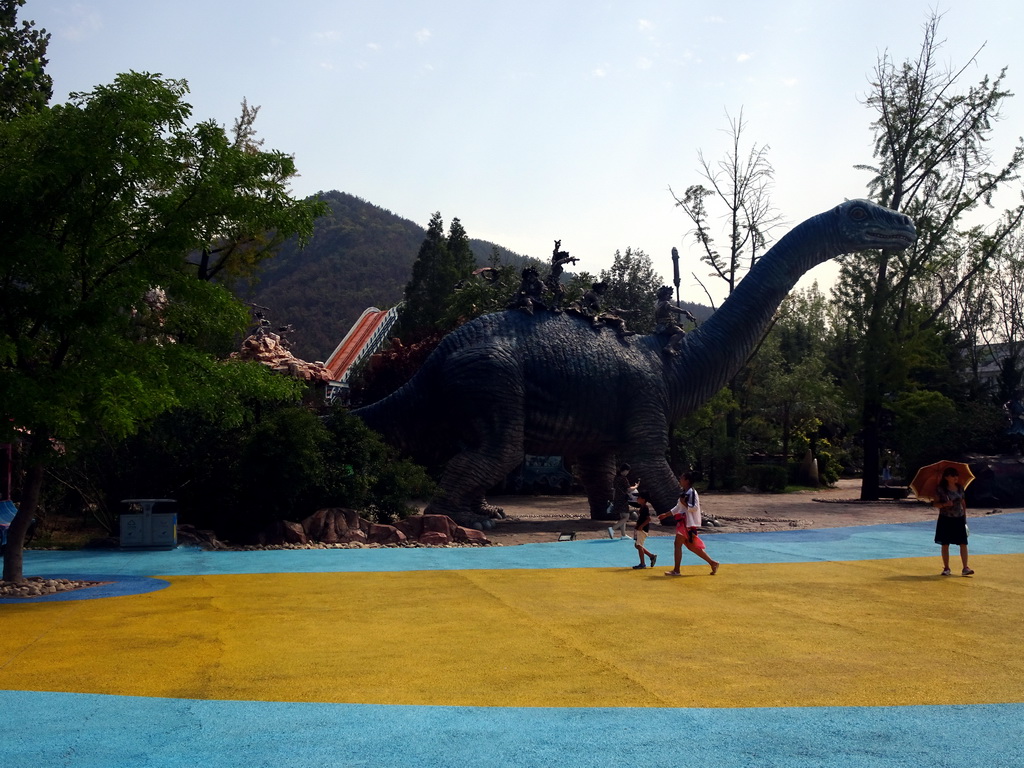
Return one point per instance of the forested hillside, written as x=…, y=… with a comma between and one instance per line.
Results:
x=360, y=256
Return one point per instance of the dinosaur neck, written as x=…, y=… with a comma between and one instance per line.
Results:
x=714, y=353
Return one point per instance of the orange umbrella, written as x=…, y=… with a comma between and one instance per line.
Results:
x=927, y=478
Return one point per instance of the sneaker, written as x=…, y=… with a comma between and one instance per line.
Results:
x=654, y=559
x=638, y=567
x=611, y=533
x=947, y=572
x=966, y=572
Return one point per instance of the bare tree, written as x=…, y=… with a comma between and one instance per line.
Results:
x=993, y=318
x=740, y=184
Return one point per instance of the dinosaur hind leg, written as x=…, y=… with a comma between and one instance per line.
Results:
x=466, y=479
x=490, y=429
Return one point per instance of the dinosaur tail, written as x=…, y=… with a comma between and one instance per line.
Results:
x=400, y=418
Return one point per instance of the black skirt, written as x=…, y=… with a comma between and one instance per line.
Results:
x=951, y=530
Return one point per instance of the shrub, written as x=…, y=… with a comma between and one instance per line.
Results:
x=829, y=466
x=768, y=478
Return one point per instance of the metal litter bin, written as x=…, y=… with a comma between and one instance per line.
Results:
x=147, y=528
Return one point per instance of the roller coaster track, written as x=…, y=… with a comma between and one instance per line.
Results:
x=365, y=337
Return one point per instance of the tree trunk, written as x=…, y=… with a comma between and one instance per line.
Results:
x=876, y=351
x=14, y=556
x=870, y=419
x=785, y=437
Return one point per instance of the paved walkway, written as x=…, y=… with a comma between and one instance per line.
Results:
x=838, y=647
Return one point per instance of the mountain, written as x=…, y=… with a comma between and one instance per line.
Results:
x=360, y=255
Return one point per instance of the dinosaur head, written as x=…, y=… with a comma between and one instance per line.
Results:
x=863, y=225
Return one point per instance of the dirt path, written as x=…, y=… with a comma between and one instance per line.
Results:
x=532, y=519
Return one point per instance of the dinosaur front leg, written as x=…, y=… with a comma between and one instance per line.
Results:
x=596, y=472
x=657, y=480
x=645, y=447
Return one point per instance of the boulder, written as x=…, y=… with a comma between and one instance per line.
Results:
x=471, y=536
x=337, y=525
x=285, y=532
x=272, y=351
x=189, y=535
x=382, y=534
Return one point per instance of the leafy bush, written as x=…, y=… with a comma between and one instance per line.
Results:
x=237, y=476
x=374, y=478
x=829, y=465
x=767, y=478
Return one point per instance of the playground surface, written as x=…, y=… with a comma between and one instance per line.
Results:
x=836, y=646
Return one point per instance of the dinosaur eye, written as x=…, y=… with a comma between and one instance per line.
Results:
x=858, y=213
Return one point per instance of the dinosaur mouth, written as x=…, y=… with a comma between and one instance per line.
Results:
x=894, y=239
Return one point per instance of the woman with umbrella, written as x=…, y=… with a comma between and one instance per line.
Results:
x=951, y=526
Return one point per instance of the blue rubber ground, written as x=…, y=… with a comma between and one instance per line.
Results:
x=42, y=729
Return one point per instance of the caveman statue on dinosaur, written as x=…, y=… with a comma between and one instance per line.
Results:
x=511, y=383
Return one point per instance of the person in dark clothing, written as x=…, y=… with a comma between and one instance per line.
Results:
x=643, y=524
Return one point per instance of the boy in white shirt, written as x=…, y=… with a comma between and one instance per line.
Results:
x=688, y=522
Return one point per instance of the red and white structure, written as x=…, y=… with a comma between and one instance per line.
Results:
x=365, y=337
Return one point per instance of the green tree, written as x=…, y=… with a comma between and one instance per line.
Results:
x=442, y=262
x=24, y=84
x=247, y=226
x=431, y=282
x=459, y=251
x=632, y=285
x=103, y=326
x=481, y=294
x=700, y=441
x=787, y=383
x=932, y=163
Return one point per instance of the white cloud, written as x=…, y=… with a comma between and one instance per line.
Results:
x=423, y=35
x=644, y=63
x=600, y=72
x=82, y=25
x=743, y=57
x=644, y=25
x=373, y=46
x=790, y=82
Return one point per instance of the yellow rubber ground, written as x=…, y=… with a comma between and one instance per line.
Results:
x=882, y=632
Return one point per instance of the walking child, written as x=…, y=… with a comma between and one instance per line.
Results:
x=621, y=491
x=643, y=524
x=688, y=522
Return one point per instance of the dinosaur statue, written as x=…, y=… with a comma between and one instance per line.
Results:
x=510, y=382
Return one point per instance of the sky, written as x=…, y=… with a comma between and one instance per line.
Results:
x=543, y=120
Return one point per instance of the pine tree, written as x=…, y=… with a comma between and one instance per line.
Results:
x=440, y=264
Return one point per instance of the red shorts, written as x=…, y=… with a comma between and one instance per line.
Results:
x=690, y=534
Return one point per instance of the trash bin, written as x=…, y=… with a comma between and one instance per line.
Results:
x=7, y=513
x=147, y=528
